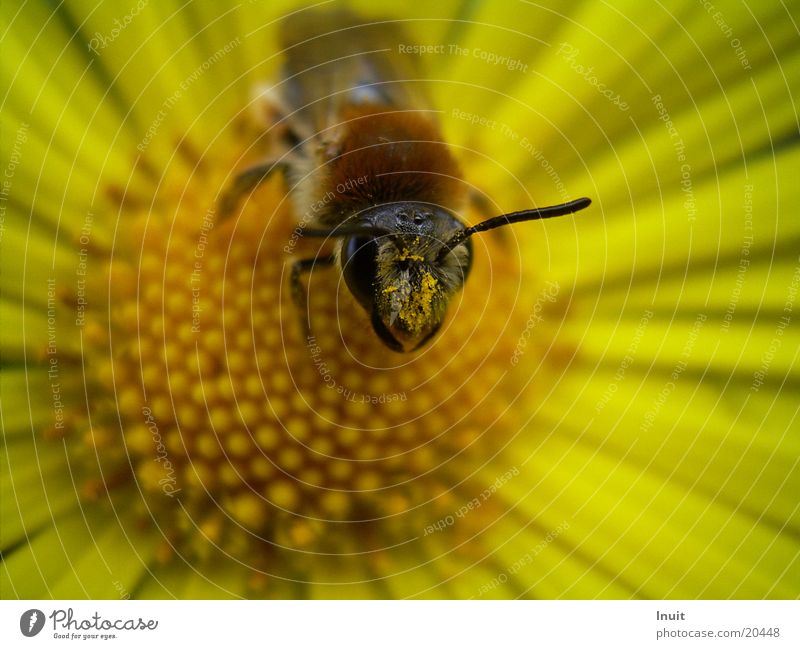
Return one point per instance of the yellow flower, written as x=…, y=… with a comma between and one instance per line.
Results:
x=610, y=409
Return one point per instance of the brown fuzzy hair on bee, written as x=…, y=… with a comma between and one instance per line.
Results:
x=384, y=156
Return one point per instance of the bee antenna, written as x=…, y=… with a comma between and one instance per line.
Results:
x=514, y=217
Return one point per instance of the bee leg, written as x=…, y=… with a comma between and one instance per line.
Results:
x=299, y=293
x=246, y=182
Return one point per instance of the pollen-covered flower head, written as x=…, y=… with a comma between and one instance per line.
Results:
x=605, y=411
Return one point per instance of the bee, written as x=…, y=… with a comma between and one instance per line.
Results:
x=360, y=148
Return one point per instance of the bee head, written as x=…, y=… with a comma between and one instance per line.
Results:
x=404, y=261
x=397, y=273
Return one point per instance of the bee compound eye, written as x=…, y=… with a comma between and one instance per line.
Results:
x=359, y=268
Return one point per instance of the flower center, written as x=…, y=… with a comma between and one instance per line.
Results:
x=250, y=438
